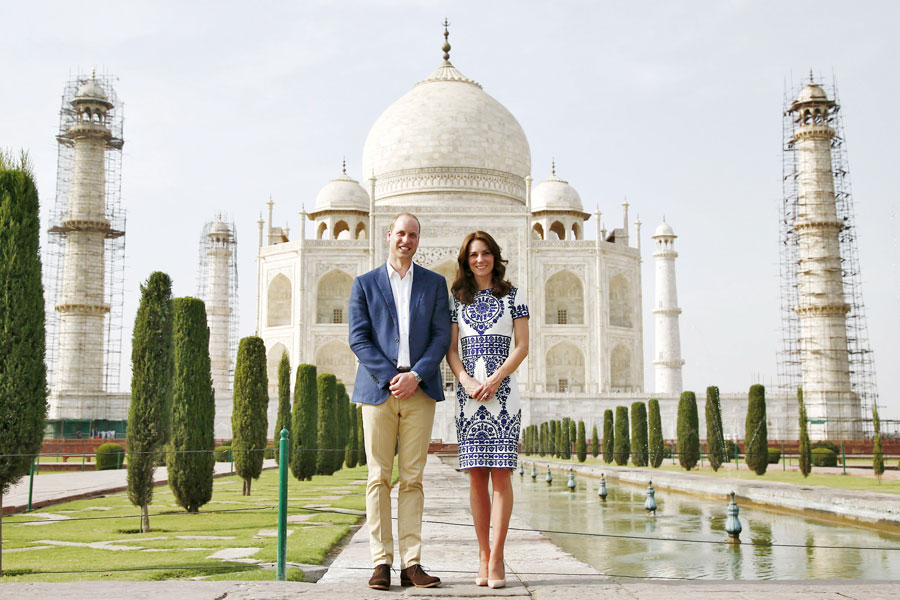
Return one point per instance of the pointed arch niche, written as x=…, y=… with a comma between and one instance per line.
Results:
x=620, y=369
x=564, y=299
x=621, y=302
x=565, y=368
x=337, y=358
x=278, y=302
x=333, y=297
x=273, y=360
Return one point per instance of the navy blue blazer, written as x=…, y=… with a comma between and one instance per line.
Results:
x=375, y=338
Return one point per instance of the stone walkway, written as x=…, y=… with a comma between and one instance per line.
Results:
x=536, y=569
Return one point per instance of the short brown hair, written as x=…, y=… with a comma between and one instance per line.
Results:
x=464, y=287
x=405, y=214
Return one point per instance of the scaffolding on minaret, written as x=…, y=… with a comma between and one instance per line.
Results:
x=860, y=356
x=217, y=286
x=114, y=242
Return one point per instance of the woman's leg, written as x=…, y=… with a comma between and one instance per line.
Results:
x=480, y=500
x=501, y=510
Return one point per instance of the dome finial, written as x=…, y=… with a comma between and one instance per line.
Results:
x=446, y=47
x=553, y=166
x=344, y=165
x=811, y=76
x=94, y=74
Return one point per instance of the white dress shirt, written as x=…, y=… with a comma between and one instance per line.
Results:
x=402, y=290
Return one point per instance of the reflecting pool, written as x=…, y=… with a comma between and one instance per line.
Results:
x=688, y=517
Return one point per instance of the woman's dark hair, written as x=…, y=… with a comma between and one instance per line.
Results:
x=464, y=287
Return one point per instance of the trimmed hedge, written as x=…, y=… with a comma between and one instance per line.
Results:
x=656, y=446
x=639, y=445
x=622, y=447
x=774, y=455
x=223, y=453
x=110, y=456
x=823, y=457
x=688, y=434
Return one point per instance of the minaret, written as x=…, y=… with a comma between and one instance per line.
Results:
x=668, y=360
x=822, y=308
x=217, y=295
x=81, y=303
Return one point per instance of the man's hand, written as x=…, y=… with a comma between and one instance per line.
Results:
x=403, y=385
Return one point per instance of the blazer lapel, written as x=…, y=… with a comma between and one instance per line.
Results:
x=415, y=296
x=384, y=285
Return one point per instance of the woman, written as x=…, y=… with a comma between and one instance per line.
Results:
x=488, y=313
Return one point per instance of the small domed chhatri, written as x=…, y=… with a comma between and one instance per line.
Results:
x=554, y=193
x=342, y=193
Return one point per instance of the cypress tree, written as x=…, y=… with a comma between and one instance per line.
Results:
x=341, y=434
x=609, y=436
x=877, y=450
x=249, y=424
x=582, y=443
x=656, y=446
x=361, y=448
x=595, y=442
x=553, y=442
x=353, y=442
x=715, y=438
x=544, y=435
x=566, y=440
x=283, y=420
x=327, y=433
x=23, y=375
x=688, y=431
x=191, y=461
x=804, y=449
x=152, y=368
x=639, y=446
x=756, y=435
x=304, y=423
x=573, y=434
x=622, y=444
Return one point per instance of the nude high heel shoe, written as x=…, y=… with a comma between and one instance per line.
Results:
x=481, y=581
x=496, y=583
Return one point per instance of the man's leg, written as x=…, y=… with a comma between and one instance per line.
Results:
x=416, y=420
x=380, y=424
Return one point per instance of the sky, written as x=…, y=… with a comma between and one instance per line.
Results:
x=675, y=105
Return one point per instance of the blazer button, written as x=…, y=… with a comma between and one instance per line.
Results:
x=396, y=340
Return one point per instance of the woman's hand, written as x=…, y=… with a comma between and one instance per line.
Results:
x=470, y=384
x=486, y=390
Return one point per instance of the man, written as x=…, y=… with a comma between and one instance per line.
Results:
x=400, y=331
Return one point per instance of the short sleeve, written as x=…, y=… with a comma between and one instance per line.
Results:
x=454, y=310
x=517, y=306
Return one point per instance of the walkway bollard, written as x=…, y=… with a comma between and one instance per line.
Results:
x=30, y=484
x=571, y=483
x=732, y=523
x=602, y=491
x=533, y=472
x=549, y=477
x=650, y=504
x=283, y=459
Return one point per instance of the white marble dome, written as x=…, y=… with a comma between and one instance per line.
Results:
x=91, y=90
x=812, y=92
x=342, y=193
x=554, y=193
x=447, y=127
x=219, y=228
x=664, y=229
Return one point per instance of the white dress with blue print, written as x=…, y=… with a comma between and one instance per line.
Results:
x=488, y=432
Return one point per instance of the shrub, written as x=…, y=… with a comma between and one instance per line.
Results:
x=342, y=421
x=328, y=424
x=581, y=444
x=731, y=449
x=805, y=459
x=826, y=444
x=609, y=436
x=566, y=440
x=304, y=420
x=823, y=457
x=714, y=436
x=110, y=456
x=622, y=447
x=756, y=436
x=639, y=447
x=877, y=449
x=657, y=449
x=283, y=419
x=353, y=442
x=223, y=453
x=688, y=431
x=269, y=452
x=249, y=424
x=774, y=455
x=595, y=442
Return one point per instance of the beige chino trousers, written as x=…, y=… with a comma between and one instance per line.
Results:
x=407, y=424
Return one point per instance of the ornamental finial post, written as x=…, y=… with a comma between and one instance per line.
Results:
x=446, y=47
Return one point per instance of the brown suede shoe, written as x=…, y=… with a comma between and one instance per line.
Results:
x=381, y=578
x=416, y=575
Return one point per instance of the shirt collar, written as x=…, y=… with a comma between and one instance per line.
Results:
x=393, y=274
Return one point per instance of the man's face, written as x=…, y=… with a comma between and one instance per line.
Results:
x=403, y=238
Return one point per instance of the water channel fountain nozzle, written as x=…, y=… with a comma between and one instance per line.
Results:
x=602, y=491
x=533, y=471
x=732, y=523
x=549, y=477
x=650, y=504
x=521, y=470
x=571, y=483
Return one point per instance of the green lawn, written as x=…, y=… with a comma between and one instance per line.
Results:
x=774, y=473
x=179, y=544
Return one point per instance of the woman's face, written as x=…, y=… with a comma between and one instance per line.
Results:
x=481, y=261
